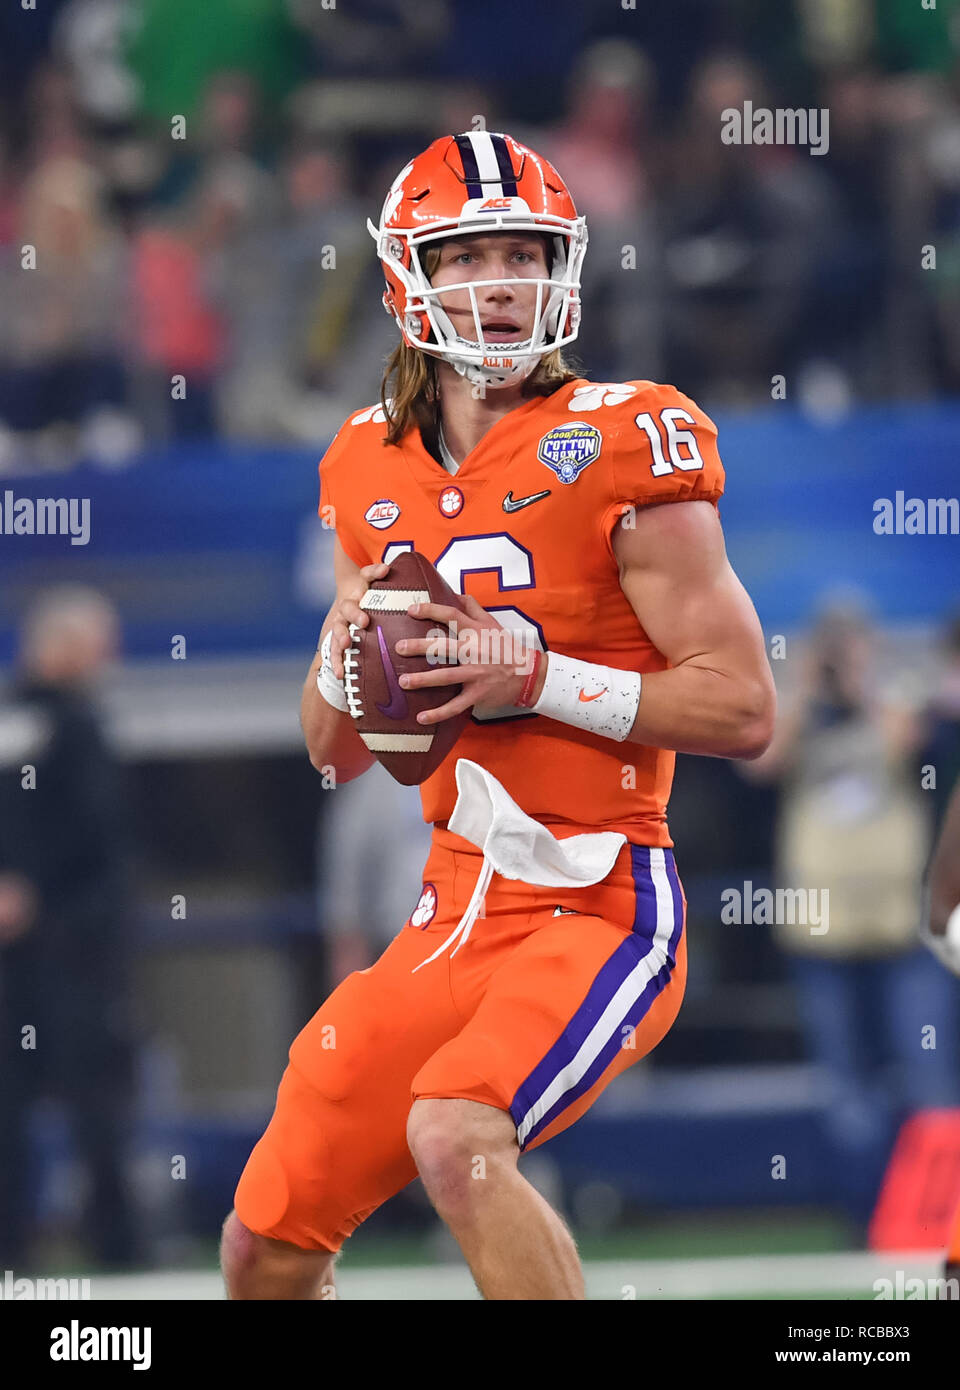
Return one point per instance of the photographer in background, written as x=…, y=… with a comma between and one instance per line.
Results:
x=853, y=824
x=65, y=1008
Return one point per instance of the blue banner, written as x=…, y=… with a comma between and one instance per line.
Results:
x=223, y=544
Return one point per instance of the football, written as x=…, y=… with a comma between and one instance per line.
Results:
x=385, y=713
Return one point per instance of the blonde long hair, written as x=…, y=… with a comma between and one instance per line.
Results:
x=409, y=394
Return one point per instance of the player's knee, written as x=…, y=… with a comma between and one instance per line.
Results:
x=454, y=1150
x=256, y=1266
x=240, y=1248
x=243, y=1251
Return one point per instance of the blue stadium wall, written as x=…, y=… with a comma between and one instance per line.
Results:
x=220, y=542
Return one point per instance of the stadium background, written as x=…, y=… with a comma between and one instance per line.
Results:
x=196, y=180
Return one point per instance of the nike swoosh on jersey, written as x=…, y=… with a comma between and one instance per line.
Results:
x=397, y=708
x=585, y=699
x=512, y=504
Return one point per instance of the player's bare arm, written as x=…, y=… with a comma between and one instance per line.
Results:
x=329, y=734
x=944, y=874
x=718, y=695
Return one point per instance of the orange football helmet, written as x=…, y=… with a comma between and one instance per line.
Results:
x=463, y=184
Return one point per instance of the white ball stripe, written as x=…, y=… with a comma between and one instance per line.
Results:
x=398, y=743
x=392, y=600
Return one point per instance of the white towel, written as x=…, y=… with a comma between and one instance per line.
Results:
x=518, y=847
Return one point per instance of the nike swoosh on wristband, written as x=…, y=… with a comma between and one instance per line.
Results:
x=511, y=504
x=585, y=699
x=397, y=708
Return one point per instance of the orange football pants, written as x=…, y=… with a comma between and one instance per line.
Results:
x=535, y=1014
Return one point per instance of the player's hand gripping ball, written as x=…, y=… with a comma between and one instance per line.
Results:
x=385, y=713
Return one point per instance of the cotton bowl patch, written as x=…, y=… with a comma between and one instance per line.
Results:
x=567, y=449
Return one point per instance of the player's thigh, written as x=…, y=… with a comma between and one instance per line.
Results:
x=580, y=1000
x=335, y=1148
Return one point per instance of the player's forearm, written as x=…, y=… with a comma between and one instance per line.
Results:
x=944, y=897
x=691, y=708
x=331, y=739
x=697, y=709
x=944, y=874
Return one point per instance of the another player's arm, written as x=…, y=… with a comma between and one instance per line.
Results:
x=944, y=873
x=328, y=732
x=718, y=695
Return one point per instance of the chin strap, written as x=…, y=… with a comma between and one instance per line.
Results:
x=489, y=377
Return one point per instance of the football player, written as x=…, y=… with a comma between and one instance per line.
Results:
x=581, y=516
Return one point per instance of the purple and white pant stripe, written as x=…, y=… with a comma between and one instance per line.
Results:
x=620, y=996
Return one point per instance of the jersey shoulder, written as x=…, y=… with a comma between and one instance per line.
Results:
x=660, y=445
x=357, y=442
x=352, y=457
x=611, y=405
x=361, y=432
x=653, y=444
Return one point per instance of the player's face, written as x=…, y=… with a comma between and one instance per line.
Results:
x=507, y=310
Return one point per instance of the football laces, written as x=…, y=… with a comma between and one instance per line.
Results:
x=351, y=673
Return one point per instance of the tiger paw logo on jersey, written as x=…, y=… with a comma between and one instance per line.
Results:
x=597, y=393
x=569, y=448
x=450, y=501
x=374, y=413
x=426, y=908
x=382, y=513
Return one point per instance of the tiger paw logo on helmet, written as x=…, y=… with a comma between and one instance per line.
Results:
x=463, y=185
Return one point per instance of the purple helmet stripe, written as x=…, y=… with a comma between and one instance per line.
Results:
x=507, y=175
x=471, y=171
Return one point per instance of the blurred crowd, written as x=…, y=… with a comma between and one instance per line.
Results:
x=184, y=190
x=865, y=756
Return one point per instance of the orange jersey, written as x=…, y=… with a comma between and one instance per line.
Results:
x=526, y=527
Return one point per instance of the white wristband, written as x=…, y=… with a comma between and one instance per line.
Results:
x=601, y=699
x=327, y=683
x=946, y=948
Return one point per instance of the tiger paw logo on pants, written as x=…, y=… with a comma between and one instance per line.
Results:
x=426, y=908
